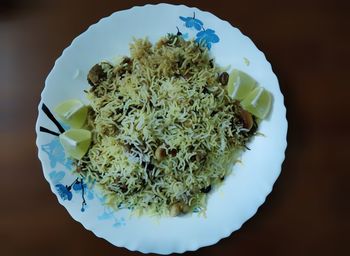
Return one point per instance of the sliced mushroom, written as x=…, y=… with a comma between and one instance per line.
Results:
x=247, y=119
x=123, y=67
x=95, y=75
x=223, y=78
x=160, y=153
x=173, y=152
x=123, y=188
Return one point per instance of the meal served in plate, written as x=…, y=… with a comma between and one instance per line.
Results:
x=163, y=127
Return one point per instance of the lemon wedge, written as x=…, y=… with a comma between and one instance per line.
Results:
x=76, y=142
x=240, y=84
x=72, y=112
x=258, y=102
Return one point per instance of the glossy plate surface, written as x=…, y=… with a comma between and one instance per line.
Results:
x=241, y=193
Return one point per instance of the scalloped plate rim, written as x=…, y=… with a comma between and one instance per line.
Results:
x=283, y=146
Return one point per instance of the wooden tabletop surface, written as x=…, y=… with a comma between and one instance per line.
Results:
x=307, y=43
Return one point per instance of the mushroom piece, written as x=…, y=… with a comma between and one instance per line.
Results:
x=95, y=75
x=124, y=67
x=160, y=153
x=247, y=119
x=123, y=188
x=173, y=152
x=223, y=78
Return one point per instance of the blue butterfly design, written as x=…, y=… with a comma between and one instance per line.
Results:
x=119, y=222
x=207, y=37
x=107, y=214
x=78, y=186
x=56, y=177
x=64, y=192
x=56, y=154
x=192, y=22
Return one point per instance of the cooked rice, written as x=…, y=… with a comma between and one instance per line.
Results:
x=168, y=96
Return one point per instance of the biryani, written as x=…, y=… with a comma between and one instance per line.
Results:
x=164, y=130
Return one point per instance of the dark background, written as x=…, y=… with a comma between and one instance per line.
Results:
x=308, y=45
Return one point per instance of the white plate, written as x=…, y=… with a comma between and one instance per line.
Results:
x=242, y=192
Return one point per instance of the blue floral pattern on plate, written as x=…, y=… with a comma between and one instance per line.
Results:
x=56, y=177
x=192, y=22
x=206, y=37
x=108, y=214
x=56, y=155
x=64, y=192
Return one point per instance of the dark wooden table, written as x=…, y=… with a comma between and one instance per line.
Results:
x=307, y=43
